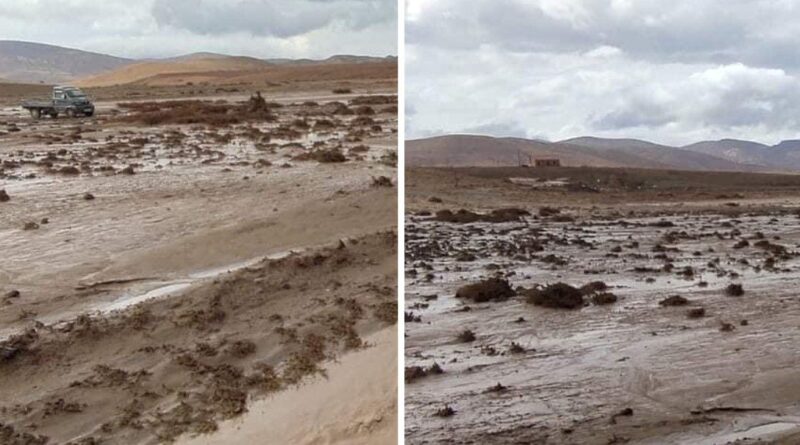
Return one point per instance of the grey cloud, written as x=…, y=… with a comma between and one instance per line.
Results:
x=673, y=72
x=507, y=129
x=164, y=28
x=280, y=18
x=721, y=31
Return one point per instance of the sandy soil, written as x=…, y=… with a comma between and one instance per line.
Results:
x=620, y=367
x=159, y=279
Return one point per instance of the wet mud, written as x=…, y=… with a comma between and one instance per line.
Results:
x=580, y=325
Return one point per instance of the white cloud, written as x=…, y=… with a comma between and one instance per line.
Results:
x=674, y=72
x=161, y=28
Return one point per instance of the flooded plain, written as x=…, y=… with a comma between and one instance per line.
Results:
x=685, y=330
x=169, y=263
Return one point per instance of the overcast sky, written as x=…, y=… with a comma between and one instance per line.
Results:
x=675, y=71
x=163, y=28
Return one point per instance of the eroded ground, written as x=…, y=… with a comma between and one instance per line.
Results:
x=626, y=363
x=165, y=264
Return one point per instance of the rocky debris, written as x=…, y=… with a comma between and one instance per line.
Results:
x=4, y=196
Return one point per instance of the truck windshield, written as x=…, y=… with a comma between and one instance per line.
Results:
x=75, y=93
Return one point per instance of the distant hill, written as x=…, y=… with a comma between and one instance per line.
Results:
x=219, y=69
x=662, y=154
x=139, y=72
x=468, y=150
x=785, y=155
x=29, y=62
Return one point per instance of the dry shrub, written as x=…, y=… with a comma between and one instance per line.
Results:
x=190, y=112
x=558, y=296
x=734, y=290
x=675, y=300
x=387, y=312
x=330, y=155
x=492, y=289
x=463, y=216
x=381, y=181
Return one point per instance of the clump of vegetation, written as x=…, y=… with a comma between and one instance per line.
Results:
x=734, y=290
x=492, y=289
x=463, y=216
x=516, y=348
x=382, y=181
x=604, y=298
x=466, y=336
x=675, y=300
x=447, y=411
x=558, y=296
x=191, y=112
x=594, y=286
x=417, y=372
x=697, y=312
x=330, y=155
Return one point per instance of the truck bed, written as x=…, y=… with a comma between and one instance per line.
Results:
x=37, y=104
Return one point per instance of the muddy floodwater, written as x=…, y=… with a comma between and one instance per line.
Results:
x=628, y=371
x=168, y=265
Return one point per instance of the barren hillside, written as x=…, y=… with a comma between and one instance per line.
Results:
x=466, y=150
x=38, y=63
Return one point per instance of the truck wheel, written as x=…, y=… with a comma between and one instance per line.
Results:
x=89, y=114
x=36, y=113
x=54, y=115
x=70, y=113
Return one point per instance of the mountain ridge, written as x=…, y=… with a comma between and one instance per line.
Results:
x=32, y=62
x=477, y=150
